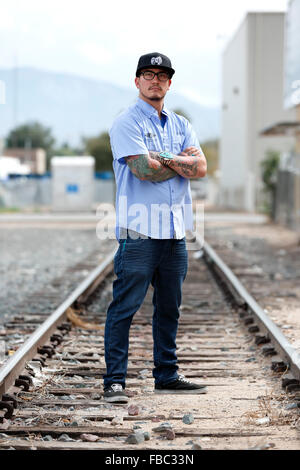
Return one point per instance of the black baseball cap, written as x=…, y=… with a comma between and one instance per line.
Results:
x=155, y=60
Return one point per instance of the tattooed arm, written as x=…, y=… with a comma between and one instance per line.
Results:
x=147, y=167
x=152, y=168
x=191, y=163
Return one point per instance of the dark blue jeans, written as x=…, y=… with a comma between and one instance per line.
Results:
x=137, y=263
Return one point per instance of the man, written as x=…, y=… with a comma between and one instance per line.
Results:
x=156, y=153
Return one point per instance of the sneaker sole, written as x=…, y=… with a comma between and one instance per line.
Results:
x=181, y=392
x=116, y=399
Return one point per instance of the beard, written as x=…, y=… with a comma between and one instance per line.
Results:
x=155, y=97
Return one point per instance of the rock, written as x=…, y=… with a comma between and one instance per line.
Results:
x=263, y=447
x=136, y=426
x=89, y=437
x=196, y=445
x=133, y=410
x=188, y=418
x=135, y=438
x=96, y=396
x=147, y=436
x=170, y=434
x=74, y=423
x=250, y=359
x=117, y=420
x=3, y=436
x=188, y=443
x=162, y=427
x=264, y=420
x=65, y=438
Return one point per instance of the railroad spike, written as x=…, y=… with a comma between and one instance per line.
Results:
x=293, y=387
x=48, y=350
x=4, y=405
x=22, y=383
x=278, y=365
x=11, y=399
x=248, y=321
x=269, y=351
x=56, y=338
x=26, y=377
x=253, y=329
x=261, y=340
x=288, y=379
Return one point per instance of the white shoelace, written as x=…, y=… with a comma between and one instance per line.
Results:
x=117, y=387
x=183, y=379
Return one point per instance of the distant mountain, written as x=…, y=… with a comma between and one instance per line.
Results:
x=75, y=106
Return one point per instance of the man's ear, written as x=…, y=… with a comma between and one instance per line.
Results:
x=137, y=82
x=170, y=81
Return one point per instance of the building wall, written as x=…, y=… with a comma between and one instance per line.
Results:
x=252, y=62
x=233, y=149
x=266, y=95
x=35, y=158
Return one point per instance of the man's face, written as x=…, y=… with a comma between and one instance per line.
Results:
x=153, y=90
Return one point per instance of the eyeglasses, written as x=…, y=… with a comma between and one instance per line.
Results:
x=162, y=76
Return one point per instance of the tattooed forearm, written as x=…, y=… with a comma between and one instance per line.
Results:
x=147, y=167
x=189, y=166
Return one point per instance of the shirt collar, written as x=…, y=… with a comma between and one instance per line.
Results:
x=150, y=110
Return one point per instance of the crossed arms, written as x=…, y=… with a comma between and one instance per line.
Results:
x=190, y=163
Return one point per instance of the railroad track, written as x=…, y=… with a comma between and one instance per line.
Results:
x=51, y=387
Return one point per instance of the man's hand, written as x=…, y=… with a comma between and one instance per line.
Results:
x=189, y=151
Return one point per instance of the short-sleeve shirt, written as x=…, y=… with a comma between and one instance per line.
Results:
x=162, y=209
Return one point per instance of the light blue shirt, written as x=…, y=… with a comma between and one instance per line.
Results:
x=157, y=209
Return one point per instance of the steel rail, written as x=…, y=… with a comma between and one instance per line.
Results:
x=16, y=363
x=281, y=344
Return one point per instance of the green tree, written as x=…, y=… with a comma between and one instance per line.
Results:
x=99, y=148
x=211, y=151
x=31, y=135
x=269, y=171
x=66, y=150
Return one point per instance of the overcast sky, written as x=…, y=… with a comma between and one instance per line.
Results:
x=104, y=40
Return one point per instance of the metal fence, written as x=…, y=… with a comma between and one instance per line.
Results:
x=287, y=196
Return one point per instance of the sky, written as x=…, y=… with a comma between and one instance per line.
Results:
x=103, y=40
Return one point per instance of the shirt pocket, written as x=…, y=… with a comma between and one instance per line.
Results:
x=150, y=140
x=177, y=144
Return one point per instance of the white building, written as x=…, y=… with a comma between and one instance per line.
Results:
x=253, y=82
x=11, y=165
x=72, y=183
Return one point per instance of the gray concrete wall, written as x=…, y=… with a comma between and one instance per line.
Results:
x=23, y=192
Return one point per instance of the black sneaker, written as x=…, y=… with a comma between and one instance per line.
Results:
x=115, y=394
x=180, y=386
